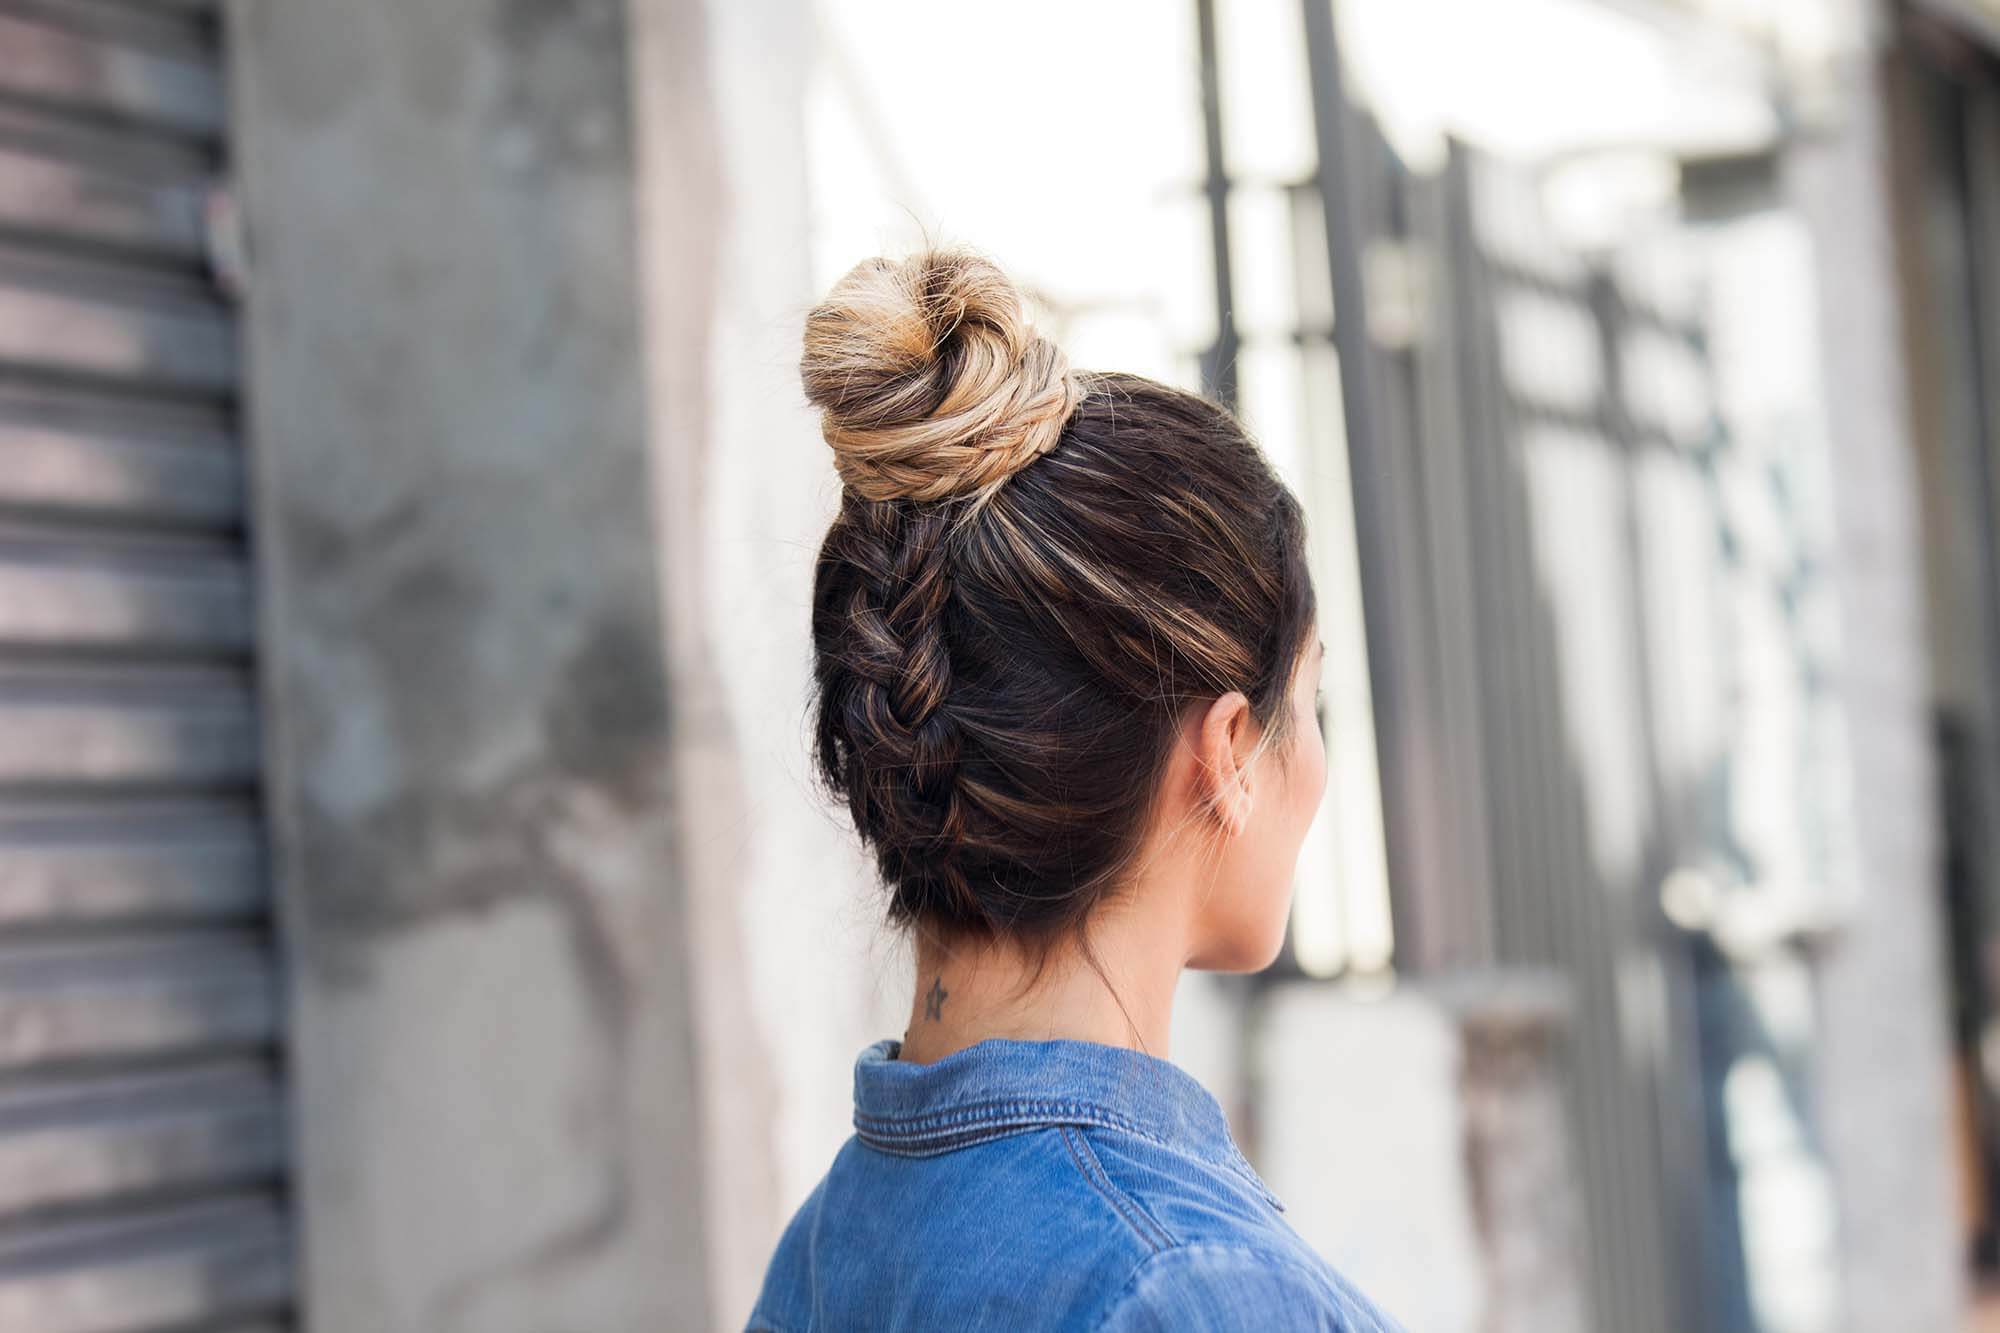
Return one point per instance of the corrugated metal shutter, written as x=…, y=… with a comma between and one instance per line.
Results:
x=141, y=1139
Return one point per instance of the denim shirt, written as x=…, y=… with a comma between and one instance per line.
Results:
x=1057, y=1184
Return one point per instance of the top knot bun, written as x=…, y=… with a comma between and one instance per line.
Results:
x=930, y=378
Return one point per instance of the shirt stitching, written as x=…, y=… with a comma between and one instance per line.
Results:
x=1093, y=1171
x=937, y=1133
x=923, y=1136
x=1167, y=1238
x=1016, y=1112
x=1013, y=1106
x=1341, y=1303
x=938, y=1144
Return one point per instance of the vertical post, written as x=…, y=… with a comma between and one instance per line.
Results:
x=1681, y=1182
x=1372, y=479
x=1218, y=360
x=1884, y=1069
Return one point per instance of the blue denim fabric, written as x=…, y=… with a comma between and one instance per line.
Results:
x=1045, y=1185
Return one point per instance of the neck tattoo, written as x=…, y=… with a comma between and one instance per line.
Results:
x=934, y=1001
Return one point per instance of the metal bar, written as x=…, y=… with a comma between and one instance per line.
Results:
x=1455, y=563
x=1368, y=469
x=1647, y=1166
x=1218, y=361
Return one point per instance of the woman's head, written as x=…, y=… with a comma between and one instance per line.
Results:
x=1061, y=621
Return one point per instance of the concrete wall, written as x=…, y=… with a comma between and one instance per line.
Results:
x=472, y=712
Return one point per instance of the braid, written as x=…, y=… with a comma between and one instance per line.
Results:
x=1033, y=573
x=890, y=738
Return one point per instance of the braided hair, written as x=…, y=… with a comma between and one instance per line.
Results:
x=1034, y=574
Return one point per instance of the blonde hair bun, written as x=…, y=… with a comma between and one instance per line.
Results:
x=930, y=378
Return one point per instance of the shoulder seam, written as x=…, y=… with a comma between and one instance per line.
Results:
x=1274, y=1258
x=1136, y=1217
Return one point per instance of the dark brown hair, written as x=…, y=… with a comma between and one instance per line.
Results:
x=1033, y=575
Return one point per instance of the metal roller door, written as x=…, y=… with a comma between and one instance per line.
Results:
x=141, y=1139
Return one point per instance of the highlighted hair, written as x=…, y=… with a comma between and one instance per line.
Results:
x=1035, y=573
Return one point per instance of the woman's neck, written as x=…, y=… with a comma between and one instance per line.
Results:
x=966, y=992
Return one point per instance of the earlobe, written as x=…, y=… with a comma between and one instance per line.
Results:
x=1233, y=805
x=1239, y=817
x=1220, y=732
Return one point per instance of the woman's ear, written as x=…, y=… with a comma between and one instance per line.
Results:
x=1221, y=743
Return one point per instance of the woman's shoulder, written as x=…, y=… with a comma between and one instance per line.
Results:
x=1048, y=1238
x=1216, y=1284
x=1075, y=1227
x=1229, y=1258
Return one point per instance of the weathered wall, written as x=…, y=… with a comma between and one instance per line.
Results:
x=495, y=1078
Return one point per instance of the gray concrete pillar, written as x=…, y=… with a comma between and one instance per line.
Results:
x=471, y=716
x=1884, y=1075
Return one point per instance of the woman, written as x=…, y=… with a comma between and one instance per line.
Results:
x=1066, y=659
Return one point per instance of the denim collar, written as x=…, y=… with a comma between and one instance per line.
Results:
x=1002, y=1086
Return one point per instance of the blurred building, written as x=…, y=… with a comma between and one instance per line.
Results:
x=415, y=913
